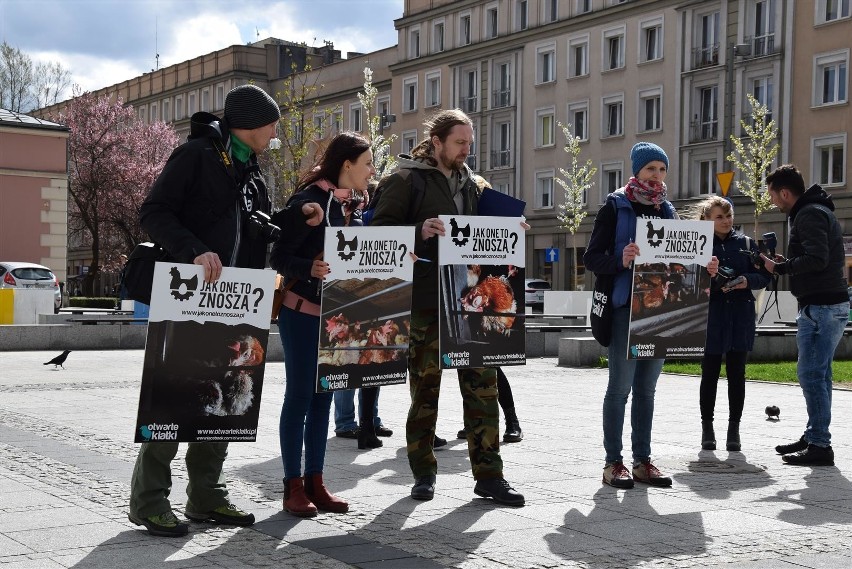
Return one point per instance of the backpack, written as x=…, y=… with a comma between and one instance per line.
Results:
x=417, y=185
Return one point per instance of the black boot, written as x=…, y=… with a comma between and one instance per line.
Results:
x=708, y=436
x=733, y=440
x=513, y=433
x=367, y=437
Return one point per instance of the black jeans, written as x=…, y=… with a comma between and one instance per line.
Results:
x=711, y=366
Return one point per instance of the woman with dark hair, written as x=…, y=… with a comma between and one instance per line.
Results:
x=329, y=194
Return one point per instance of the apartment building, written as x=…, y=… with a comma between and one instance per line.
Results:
x=676, y=73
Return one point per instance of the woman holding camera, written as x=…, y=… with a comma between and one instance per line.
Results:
x=731, y=321
x=329, y=194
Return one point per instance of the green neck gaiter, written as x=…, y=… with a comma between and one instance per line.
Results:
x=240, y=150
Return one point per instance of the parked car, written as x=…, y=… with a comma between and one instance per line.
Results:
x=534, y=292
x=30, y=275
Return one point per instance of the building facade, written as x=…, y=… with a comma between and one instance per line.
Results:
x=676, y=73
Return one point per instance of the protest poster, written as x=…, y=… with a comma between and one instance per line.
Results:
x=366, y=307
x=482, y=292
x=202, y=376
x=671, y=289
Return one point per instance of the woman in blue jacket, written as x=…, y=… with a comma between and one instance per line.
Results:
x=731, y=321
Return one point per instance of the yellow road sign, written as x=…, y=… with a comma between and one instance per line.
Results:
x=724, y=179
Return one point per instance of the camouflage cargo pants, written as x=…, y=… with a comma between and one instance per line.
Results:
x=478, y=388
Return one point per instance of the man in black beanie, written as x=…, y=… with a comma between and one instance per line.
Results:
x=199, y=210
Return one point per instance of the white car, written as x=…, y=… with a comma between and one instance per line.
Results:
x=534, y=292
x=30, y=275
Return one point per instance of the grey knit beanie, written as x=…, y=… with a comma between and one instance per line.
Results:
x=249, y=107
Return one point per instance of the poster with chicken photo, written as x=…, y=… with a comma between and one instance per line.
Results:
x=366, y=307
x=204, y=355
x=482, y=292
x=671, y=289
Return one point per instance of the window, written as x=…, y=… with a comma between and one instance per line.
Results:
x=546, y=64
x=383, y=106
x=409, y=95
x=355, y=117
x=319, y=125
x=707, y=176
x=464, y=30
x=491, y=22
x=438, y=37
x=583, y=6
x=471, y=156
x=154, y=116
x=830, y=78
x=707, y=51
x=544, y=189
x=191, y=105
x=433, y=89
x=578, y=57
x=501, y=155
x=544, y=127
x=179, y=108
x=220, y=96
x=578, y=116
x=551, y=10
x=706, y=123
x=651, y=38
x=205, y=100
x=337, y=122
x=521, y=15
x=830, y=10
x=613, y=116
x=761, y=89
x=613, y=49
x=469, y=88
x=610, y=178
x=830, y=159
x=409, y=141
x=167, y=114
x=503, y=90
x=142, y=113
x=764, y=27
x=651, y=109
x=414, y=44
x=296, y=134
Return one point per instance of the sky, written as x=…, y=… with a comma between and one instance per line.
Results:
x=103, y=42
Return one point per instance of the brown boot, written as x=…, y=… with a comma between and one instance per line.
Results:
x=319, y=495
x=295, y=500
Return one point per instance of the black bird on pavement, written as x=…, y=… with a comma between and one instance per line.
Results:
x=773, y=413
x=59, y=360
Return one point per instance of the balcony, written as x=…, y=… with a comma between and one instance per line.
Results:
x=703, y=131
x=705, y=56
x=748, y=119
x=502, y=98
x=501, y=158
x=762, y=45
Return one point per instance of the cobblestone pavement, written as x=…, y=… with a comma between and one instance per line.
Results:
x=66, y=456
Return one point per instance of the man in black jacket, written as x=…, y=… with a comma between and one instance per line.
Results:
x=815, y=264
x=198, y=209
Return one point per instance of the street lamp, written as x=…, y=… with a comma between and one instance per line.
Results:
x=734, y=50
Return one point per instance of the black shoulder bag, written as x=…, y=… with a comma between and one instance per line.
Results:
x=600, y=317
x=139, y=270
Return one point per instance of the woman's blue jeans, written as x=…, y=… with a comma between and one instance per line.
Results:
x=625, y=375
x=820, y=328
x=304, y=415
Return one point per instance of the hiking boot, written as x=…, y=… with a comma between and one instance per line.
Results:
x=650, y=474
x=811, y=456
x=439, y=442
x=226, y=514
x=498, y=490
x=616, y=475
x=424, y=487
x=800, y=444
x=164, y=525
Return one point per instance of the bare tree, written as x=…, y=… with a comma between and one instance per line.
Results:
x=576, y=182
x=50, y=83
x=753, y=155
x=16, y=78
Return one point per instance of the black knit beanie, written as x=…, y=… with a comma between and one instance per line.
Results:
x=249, y=106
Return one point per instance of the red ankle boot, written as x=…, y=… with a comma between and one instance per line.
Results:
x=296, y=501
x=321, y=497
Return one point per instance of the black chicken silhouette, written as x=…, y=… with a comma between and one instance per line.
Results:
x=343, y=244
x=459, y=231
x=191, y=285
x=59, y=360
x=652, y=232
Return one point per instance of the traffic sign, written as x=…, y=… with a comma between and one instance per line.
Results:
x=724, y=179
x=551, y=255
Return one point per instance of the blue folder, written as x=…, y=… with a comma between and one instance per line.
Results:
x=498, y=204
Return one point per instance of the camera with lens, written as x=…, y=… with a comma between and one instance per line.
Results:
x=767, y=247
x=723, y=277
x=260, y=226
